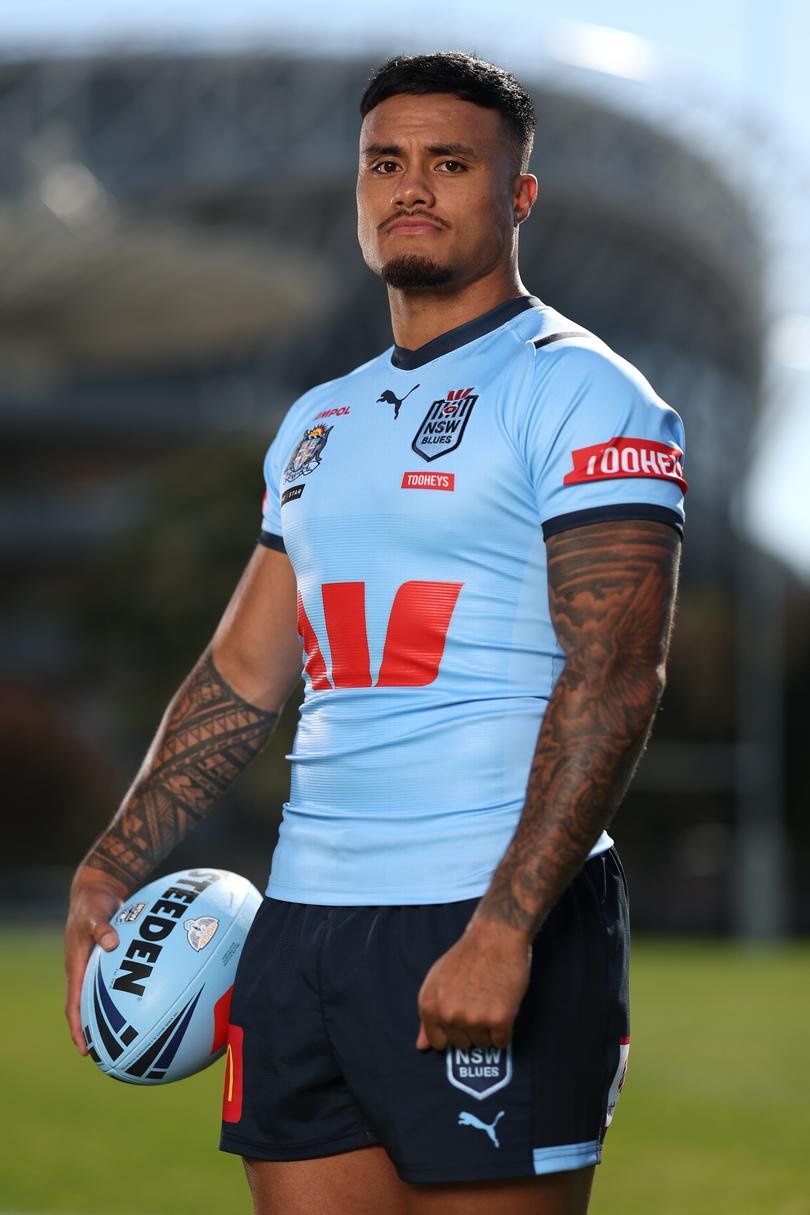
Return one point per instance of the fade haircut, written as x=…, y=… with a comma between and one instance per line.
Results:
x=467, y=77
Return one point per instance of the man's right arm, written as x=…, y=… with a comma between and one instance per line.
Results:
x=219, y=719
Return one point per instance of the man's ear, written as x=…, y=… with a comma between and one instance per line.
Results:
x=524, y=197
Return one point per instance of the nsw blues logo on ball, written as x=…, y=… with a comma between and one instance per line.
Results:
x=155, y=1008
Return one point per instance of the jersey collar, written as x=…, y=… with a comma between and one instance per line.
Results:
x=409, y=360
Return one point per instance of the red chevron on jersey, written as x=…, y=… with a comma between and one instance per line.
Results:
x=625, y=457
x=414, y=640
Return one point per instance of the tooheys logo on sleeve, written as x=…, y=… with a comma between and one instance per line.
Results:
x=624, y=457
x=164, y=916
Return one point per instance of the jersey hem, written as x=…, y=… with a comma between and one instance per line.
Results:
x=285, y=892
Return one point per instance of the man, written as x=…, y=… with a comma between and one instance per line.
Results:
x=476, y=535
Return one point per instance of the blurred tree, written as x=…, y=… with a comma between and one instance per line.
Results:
x=57, y=785
x=699, y=701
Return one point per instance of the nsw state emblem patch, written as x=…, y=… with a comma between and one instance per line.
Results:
x=443, y=425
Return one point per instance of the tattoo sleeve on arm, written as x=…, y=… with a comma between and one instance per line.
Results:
x=611, y=591
x=208, y=735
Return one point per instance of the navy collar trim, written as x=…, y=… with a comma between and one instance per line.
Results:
x=409, y=360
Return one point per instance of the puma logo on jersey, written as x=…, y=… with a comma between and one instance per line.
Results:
x=465, y=1119
x=390, y=398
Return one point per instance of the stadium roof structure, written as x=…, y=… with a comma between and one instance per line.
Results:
x=174, y=137
x=83, y=293
x=165, y=212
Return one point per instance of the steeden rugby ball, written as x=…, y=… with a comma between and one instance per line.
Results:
x=156, y=1008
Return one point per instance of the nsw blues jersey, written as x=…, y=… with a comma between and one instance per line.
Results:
x=414, y=497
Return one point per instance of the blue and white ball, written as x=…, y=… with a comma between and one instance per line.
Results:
x=156, y=1008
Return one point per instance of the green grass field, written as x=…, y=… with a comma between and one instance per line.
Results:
x=714, y=1119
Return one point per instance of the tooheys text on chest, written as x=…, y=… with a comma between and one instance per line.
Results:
x=144, y=949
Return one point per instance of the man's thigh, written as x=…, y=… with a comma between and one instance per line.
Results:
x=366, y=1183
x=362, y=1182
x=554, y=1194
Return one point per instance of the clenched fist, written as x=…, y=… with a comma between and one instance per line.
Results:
x=472, y=994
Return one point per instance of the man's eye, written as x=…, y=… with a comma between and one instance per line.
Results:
x=453, y=166
x=385, y=166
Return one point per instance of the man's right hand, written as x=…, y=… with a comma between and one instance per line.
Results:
x=94, y=899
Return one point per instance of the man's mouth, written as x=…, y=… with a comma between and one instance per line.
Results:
x=412, y=225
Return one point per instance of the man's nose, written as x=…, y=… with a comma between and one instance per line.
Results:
x=413, y=190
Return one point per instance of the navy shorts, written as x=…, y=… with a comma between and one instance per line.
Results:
x=321, y=1056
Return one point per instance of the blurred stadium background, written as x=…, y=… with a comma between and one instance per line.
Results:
x=177, y=262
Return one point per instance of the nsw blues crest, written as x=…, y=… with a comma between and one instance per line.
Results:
x=307, y=455
x=479, y=1070
x=444, y=424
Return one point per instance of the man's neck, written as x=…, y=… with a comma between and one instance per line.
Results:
x=417, y=317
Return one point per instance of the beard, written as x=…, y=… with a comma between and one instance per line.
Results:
x=409, y=272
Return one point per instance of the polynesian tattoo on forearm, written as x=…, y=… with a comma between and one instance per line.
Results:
x=612, y=590
x=209, y=734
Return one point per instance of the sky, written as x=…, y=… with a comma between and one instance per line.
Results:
x=738, y=59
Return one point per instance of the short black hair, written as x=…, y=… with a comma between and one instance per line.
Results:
x=466, y=76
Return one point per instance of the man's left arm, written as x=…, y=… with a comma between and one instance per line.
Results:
x=612, y=590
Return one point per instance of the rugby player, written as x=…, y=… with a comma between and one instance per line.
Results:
x=475, y=539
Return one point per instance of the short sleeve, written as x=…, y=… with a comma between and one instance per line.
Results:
x=279, y=453
x=271, y=535
x=600, y=444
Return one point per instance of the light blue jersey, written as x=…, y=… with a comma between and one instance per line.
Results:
x=414, y=497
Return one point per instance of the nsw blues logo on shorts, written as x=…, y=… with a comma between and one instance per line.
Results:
x=480, y=1070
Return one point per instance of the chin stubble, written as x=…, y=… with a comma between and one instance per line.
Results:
x=410, y=272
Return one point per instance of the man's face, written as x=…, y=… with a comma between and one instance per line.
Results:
x=437, y=193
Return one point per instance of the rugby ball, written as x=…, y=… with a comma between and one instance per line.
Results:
x=156, y=1008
